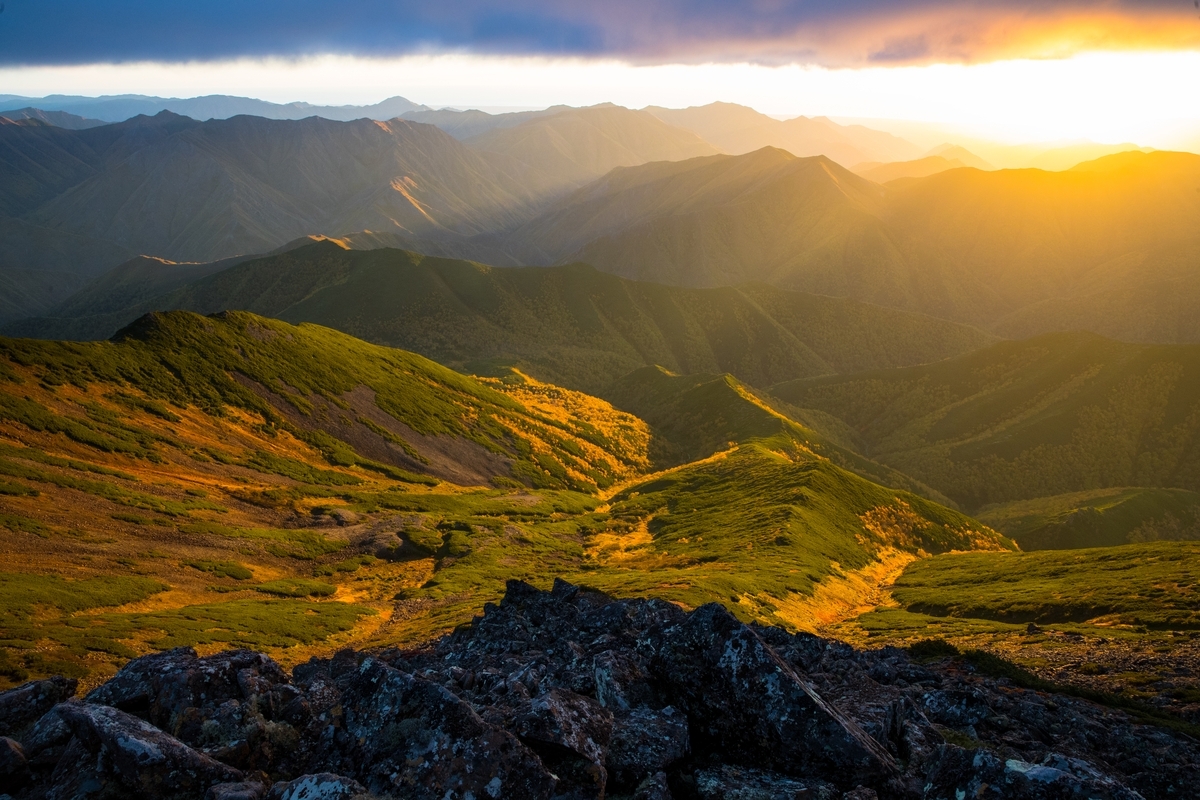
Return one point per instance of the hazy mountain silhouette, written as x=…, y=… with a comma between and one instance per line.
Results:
x=117, y=108
x=463, y=124
x=59, y=119
x=574, y=146
x=736, y=129
x=982, y=247
x=958, y=153
x=919, y=168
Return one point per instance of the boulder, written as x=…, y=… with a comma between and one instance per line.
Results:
x=741, y=783
x=414, y=739
x=14, y=769
x=225, y=705
x=143, y=759
x=322, y=786
x=21, y=707
x=645, y=742
x=749, y=705
x=570, y=733
x=47, y=739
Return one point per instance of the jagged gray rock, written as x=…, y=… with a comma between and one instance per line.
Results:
x=416, y=739
x=569, y=694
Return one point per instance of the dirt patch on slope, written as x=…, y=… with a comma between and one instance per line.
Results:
x=450, y=458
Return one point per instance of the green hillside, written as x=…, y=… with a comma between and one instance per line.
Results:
x=692, y=417
x=570, y=325
x=1099, y=518
x=239, y=481
x=1047, y=416
x=1150, y=585
x=757, y=526
x=357, y=403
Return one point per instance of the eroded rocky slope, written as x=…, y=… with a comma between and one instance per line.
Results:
x=570, y=694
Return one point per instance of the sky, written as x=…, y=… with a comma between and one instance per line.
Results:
x=1107, y=70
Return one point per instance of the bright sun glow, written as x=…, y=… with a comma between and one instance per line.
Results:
x=1149, y=98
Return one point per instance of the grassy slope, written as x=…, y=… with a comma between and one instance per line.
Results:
x=1046, y=416
x=1149, y=585
x=300, y=378
x=174, y=503
x=1099, y=518
x=572, y=325
x=694, y=416
x=756, y=528
x=1115, y=625
x=753, y=516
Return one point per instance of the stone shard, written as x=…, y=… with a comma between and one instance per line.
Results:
x=241, y=790
x=956, y=772
x=654, y=787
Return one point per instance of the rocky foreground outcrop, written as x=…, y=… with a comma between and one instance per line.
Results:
x=570, y=694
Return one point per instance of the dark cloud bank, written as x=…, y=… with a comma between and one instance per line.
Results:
x=834, y=32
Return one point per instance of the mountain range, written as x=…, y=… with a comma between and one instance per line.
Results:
x=250, y=465
x=736, y=130
x=302, y=385
x=1016, y=251
x=570, y=325
x=118, y=108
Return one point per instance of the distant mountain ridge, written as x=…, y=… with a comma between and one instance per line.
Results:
x=571, y=325
x=59, y=119
x=736, y=130
x=896, y=170
x=118, y=108
x=1017, y=251
x=172, y=187
x=573, y=147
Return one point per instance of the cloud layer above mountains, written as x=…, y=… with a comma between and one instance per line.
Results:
x=827, y=32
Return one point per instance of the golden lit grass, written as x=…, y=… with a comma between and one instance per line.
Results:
x=197, y=467
x=845, y=594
